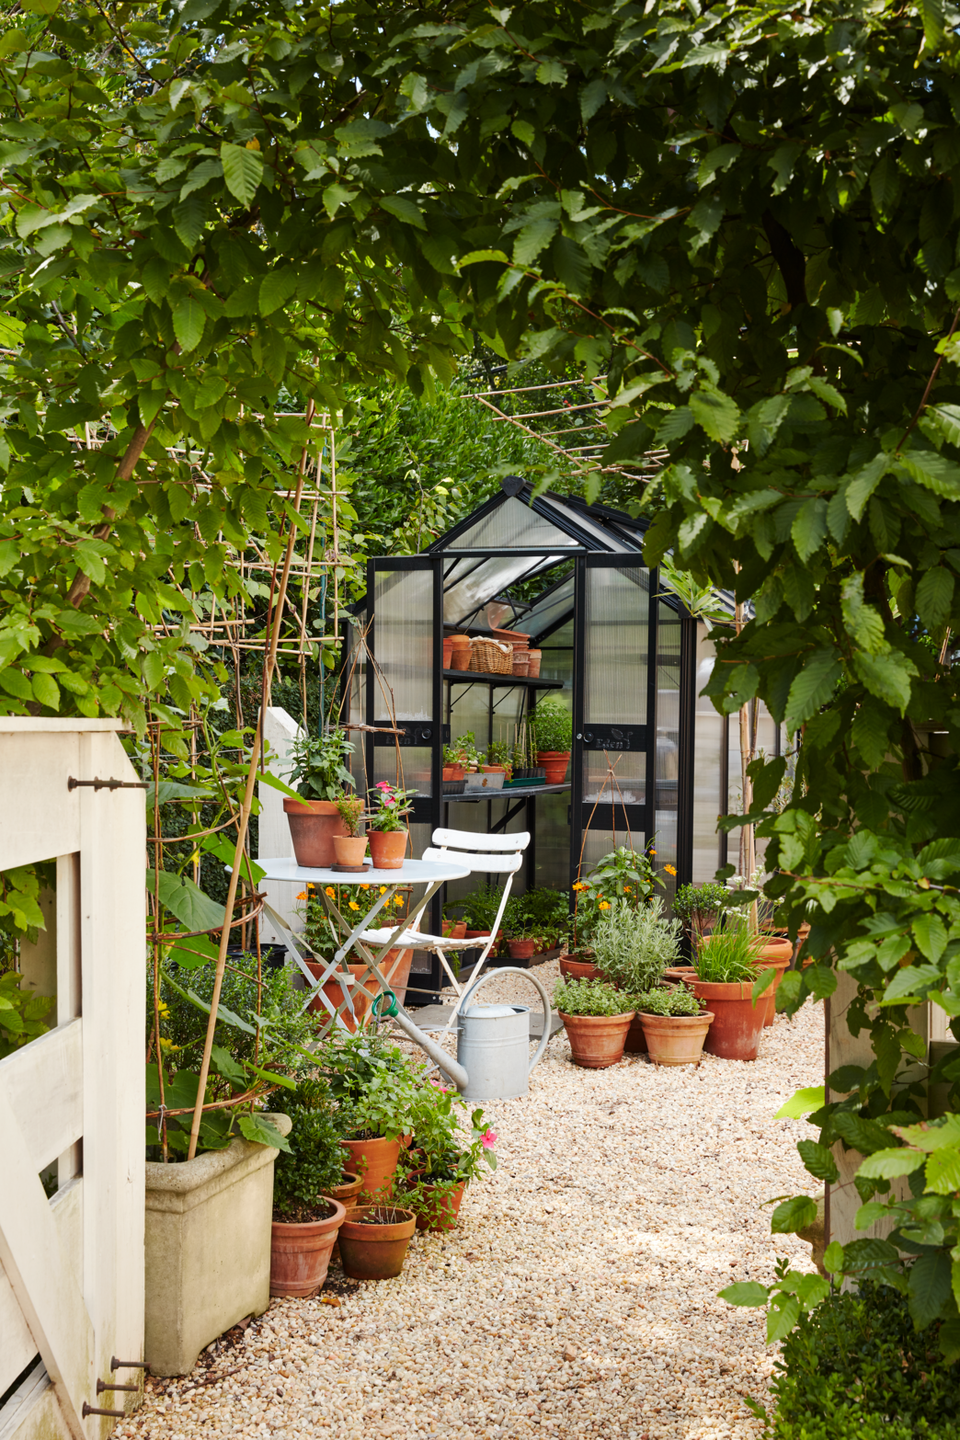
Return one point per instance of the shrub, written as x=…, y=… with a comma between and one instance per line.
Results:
x=315, y=1165
x=589, y=997
x=855, y=1368
x=634, y=947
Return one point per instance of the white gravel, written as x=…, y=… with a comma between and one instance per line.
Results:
x=578, y=1298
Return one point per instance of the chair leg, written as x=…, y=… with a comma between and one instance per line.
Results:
x=453, y=979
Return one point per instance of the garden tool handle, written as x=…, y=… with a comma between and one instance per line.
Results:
x=547, y=1012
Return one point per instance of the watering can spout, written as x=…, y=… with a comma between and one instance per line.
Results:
x=439, y=1057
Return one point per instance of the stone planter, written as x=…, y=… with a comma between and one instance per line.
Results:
x=207, y=1244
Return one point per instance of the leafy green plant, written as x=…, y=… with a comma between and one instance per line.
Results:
x=319, y=769
x=389, y=807
x=661, y=1001
x=23, y=1014
x=441, y=1148
x=623, y=875
x=499, y=753
x=589, y=997
x=481, y=906
x=375, y=1088
x=552, y=726
x=634, y=947
x=727, y=956
x=313, y=1165
x=698, y=906
x=350, y=810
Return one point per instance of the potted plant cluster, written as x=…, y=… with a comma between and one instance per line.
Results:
x=595, y=1019
x=387, y=831
x=441, y=1160
x=534, y=923
x=351, y=847
x=726, y=980
x=499, y=758
x=553, y=732
x=479, y=912
x=376, y=1093
x=675, y=1025
x=633, y=948
x=306, y=1214
x=623, y=874
x=320, y=775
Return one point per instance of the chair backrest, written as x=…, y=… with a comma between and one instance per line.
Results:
x=471, y=840
x=490, y=864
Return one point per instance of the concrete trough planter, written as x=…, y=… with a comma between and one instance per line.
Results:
x=208, y=1227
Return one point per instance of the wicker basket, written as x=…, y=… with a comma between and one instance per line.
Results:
x=490, y=657
x=534, y=667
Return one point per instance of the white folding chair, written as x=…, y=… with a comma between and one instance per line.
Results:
x=484, y=854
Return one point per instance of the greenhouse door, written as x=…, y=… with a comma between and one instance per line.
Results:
x=614, y=698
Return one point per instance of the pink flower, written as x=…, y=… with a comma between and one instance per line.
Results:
x=382, y=785
x=488, y=1139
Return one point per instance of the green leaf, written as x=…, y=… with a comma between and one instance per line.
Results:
x=186, y=901
x=818, y=1160
x=189, y=219
x=242, y=170
x=532, y=239
x=47, y=691
x=225, y=1065
x=715, y=413
x=263, y=1132
x=862, y=484
x=404, y=209
x=277, y=288
x=833, y=1257
x=888, y=676
x=943, y=1172
x=809, y=529
x=191, y=954
x=947, y=420
x=189, y=319
x=782, y=1318
x=334, y=196
x=15, y=683
x=745, y=1292
x=592, y=96
x=793, y=1215
x=812, y=687
x=929, y=1288
x=888, y=1164
x=782, y=163
x=935, y=597
x=936, y=472
x=551, y=72
x=805, y=1101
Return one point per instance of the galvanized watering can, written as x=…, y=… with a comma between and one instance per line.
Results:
x=493, y=1059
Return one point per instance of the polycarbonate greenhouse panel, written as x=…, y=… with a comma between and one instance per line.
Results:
x=469, y=585
x=403, y=617
x=512, y=526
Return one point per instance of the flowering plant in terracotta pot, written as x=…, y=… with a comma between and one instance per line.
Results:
x=387, y=824
x=623, y=874
x=441, y=1162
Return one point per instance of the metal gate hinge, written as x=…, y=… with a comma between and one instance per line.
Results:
x=74, y=784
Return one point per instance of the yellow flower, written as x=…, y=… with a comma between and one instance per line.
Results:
x=303, y=895
x=364, y=887
x=330, y=890
x=579, y=885
x=670, y=869
x=354, y=905
x=398, y=899
x=383, y=889
x=604, y=904
x=163, y=1008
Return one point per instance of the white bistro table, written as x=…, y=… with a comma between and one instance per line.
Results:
x=379, y=886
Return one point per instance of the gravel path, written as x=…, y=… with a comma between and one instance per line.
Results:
x=577, y=1298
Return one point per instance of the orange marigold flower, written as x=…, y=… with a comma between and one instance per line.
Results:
x=330, y=890
x=604, y=904
x=303, y=895
x=670, y=869
x=354, y=905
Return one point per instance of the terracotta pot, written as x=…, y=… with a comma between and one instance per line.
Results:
x=387, y=848
x=769, y=997
x=455, y=930
x=534, y=667
x=636, y=1041
x=377, y=1251
x=675, y=1039
x=347, y=1193
x=578, y=969
x=555, y=764
x=678, y=972
x=350, y=849
x=737, y=1022
x=375, y=1161
x=460, y=655
x=395, y=968
x=494, y=769
x=447, y=651
x=300, y=1254
x=313, y=824
x=453, y=772
x=597, y=1041
x=521, y=949
x=444, y=1209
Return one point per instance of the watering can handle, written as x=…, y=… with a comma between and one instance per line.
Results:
x=515, y=970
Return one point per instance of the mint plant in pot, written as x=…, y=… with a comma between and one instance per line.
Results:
x=726, y=980
x=376, y=1093
x=441, y=1160
x=553, y=732
x=320, y=775
x=306, y=1216
x=675, y=1025
x=387, y=831
x=596, y=1020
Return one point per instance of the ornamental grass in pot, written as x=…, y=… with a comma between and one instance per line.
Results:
x=449, y=1147
x=320, y=775
x=675, y=1025
x=633, y=948
x=595, y=1020
x=306, y=1216
x=726, y=980
x=387, y=833
x=376, y=1093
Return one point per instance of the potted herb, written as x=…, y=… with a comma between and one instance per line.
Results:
x=633, y=948
x=520, y=935
x=499, y=758
x=455, y=758
x=675, y=1025
x=553, y=732
x=726, y=979
x=320, y=775
x=374, y=1241
x=376, y=1093
x=350, y=848
x=698, y=908
x=441, y=1162
x=306, y=1217
x=387, y=831
x=595, y=1020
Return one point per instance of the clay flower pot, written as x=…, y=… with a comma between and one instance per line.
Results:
x=313, y=825
x=374, y=1240
x=375, y=1161
x=387, y=848
x=444, y=1204
x=737, y=1022
x=597, y=1041
x=447, y=646
x=573, y=969
x=300, y=1253
x=455, y=929
x=347, y=1193
x=395, y=968
x=350, y=849
x=521, y=949
x=453, y=772
x=555, y=764
x=675, y=1039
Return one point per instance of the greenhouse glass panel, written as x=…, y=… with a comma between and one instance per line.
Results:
x=667, y=764
x=469, y=586
x=707, y=769
x=512, y=526
x=403, y=620
x=617, y=609
x=412, y=772
x=548, y=611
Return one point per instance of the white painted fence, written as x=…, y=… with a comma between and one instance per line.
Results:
x=71, y=1268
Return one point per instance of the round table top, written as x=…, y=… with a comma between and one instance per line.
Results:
x=411, y=872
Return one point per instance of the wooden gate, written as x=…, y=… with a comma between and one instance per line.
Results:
x=72, y=1101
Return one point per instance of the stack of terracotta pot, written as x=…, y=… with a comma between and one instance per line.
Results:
x=460, y=650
